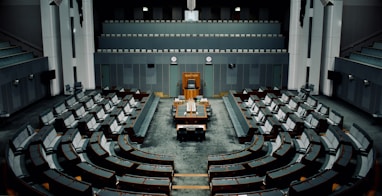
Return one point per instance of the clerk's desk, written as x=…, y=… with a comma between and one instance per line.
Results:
x=190, y=93
x=191, y=112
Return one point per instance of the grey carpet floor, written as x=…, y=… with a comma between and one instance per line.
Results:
x=191, y=156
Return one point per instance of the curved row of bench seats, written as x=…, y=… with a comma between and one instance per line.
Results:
x=323, y=155
x=114, y=113
x=47, y=162
x=39, y=169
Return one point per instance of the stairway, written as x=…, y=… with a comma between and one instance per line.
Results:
x=190, y=184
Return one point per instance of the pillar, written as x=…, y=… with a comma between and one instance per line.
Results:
x=84, y=36
x=51, y=43
x=298, y=46
x=67, y=50
x=331, y=42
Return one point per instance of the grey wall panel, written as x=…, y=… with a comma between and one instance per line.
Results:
x=217, y=79
x=349, y=90
x=285, y=76
x=97, y=74
x=22, y=22
x=165, y=79
x=183, y=27
x=16, y=97
x=223, y=79
x=263, y=71
x=359, y=17
x=142, y=77
x=113, y=73
x=191, y=42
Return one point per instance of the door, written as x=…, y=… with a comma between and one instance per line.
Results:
x=105, y=76
x=174, y=81
x=208, y=81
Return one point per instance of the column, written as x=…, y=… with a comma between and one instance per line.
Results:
x=67, y=50
x=314, y=59
x=298, y=46
x=84, y=37
x=51, y=43
x=332, y=41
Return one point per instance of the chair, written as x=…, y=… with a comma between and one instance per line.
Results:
x=78, y=86
x=68, y=90
x=181, y=134
x=199, y=133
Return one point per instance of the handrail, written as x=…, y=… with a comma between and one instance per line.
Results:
x=25, y=45
x=357, y=45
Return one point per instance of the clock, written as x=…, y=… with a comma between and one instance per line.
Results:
x=173, y=59
x=208, y=59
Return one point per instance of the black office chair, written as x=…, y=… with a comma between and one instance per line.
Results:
x=199, y=133
x=78, y=87
x=181, y=134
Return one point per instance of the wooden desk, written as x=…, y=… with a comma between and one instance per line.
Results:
x=195, y=117
x=190, y=93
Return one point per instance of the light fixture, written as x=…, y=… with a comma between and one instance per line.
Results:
x=16, y=82
x=231, y=65
x=31, y=76
x=366, y=82
x=208, y=60
x=145, y=9
x=351, y=77
x=174, y=60
x=237, y=9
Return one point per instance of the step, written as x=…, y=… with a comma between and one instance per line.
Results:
x=190, y=175
x=197, y=187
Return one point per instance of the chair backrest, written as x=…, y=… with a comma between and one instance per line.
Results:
x=78, y=85
x=80, y=95
x=47, y=117
x=89, y=104
x=293, y=104
x=284, y=98
x=301, y=111
x=127, y=108
x=97, y=97
x=100, y=114
x=60, y=108
x=114, y=99
x=121, y=116
x=182, y=130
x=80, y=111
x=114, y=125
x=69, y=120
x=70, y=101
x=191, y=84
x=311, y=101
x=199, y=130
x=132, y=101
x=291, y=124
x=268, y=126
x=335, y=117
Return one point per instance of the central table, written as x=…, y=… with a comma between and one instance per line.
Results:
x=186, y=114
x=191, y=118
